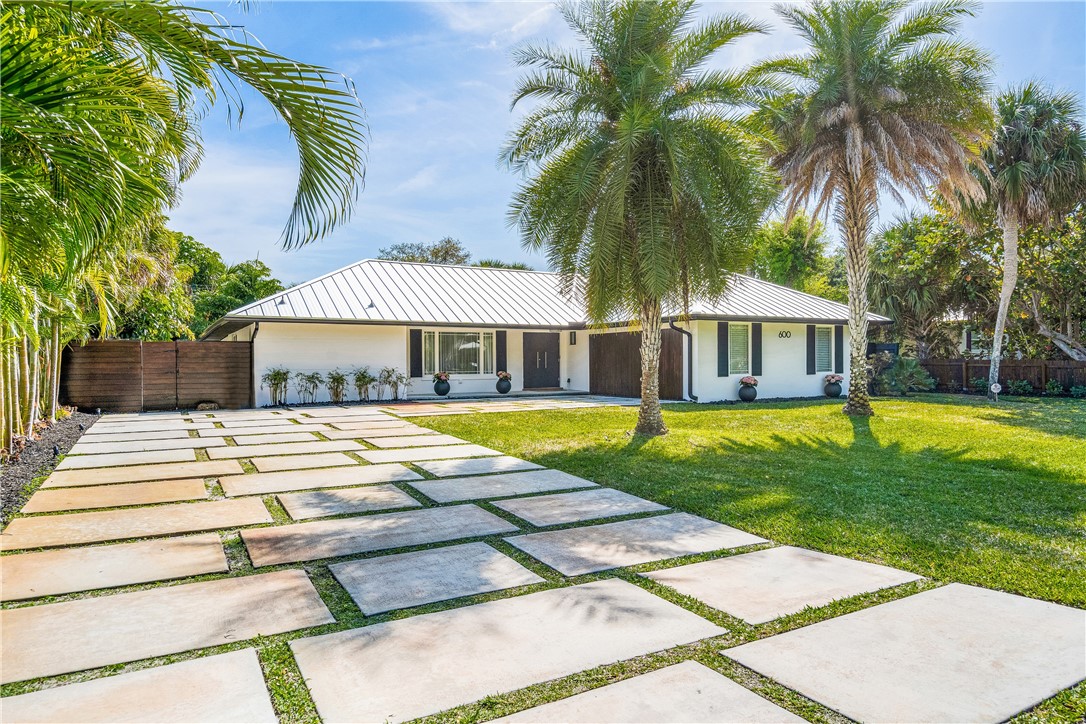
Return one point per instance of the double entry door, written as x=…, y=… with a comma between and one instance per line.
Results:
x=541, y=369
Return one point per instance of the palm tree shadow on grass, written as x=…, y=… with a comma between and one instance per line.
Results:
x=933, y=511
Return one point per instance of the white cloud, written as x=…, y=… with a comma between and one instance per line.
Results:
x=502, y=24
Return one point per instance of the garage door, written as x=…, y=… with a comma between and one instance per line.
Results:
x=614, y=364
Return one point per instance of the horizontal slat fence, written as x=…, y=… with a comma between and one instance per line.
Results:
x=132, y=376
x=953, y=375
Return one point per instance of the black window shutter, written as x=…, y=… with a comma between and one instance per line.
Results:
x=756, y=349
x=500, y=360
x=969, y=341
x=721, y=349
x=839, y=349
x=810, y=349
x=414, y=344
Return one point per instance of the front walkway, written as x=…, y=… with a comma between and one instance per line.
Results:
x=345, y=563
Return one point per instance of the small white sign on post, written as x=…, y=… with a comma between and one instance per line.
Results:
x=996, y=388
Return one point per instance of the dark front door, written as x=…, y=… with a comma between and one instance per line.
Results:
x=541, y=360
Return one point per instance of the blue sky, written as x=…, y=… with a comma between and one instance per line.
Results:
x=436, y=79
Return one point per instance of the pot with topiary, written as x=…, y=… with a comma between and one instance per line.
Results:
x=441, y=384
x=748, y=388
x=505, y=383
x=833, y=385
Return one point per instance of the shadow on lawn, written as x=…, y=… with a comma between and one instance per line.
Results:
x=1052, y=416
x=998, y=523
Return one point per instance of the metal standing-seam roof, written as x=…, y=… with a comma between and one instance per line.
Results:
x=394, y=292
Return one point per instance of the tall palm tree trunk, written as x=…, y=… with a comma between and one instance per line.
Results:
x=855, y=212
x=650, y=418
x=1010, y=279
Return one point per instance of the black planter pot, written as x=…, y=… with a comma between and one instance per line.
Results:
x=442, y=388
x=833, y=389
x=503, y=386
x=748, y=394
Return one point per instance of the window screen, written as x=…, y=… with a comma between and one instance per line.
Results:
x=738, y=349
x=429, y=353
x=823, y=349
x=459, y=352
x=488, y=353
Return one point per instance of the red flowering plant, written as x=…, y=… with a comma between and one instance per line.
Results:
x=503, y=375
x=441, y=377
x=748, y=381
x=834, y=379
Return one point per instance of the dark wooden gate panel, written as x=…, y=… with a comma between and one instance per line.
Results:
x=614, y=364
x=159, y=376
x=130, y=376
x=217, y=372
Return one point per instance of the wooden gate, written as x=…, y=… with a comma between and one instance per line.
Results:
x=614, y=364
x=132, y=376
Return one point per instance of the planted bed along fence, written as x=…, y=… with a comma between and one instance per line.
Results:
x=954, y=375
x=133, y=376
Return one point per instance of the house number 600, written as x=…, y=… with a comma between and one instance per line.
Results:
x=784, y=335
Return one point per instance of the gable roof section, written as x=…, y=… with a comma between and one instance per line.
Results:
x=393, y=292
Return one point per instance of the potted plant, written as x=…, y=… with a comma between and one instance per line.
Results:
x=748, y=388
x=505, y=383
x=833, y=385
x=441, y=384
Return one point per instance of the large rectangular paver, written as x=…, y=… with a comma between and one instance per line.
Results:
x=145, y=457
x=370, y=432
x=115, y=496
x=132, y=446
x=179, y=434
x=57, y=638
x=764, y=585
x=576, y=551
x=213, y=689
x=302, y=462
x=289, y=448
x=951, y=654
x=384, y=531
x=103, y=426
x=276, y=422
x=139, y=473
x=50, y=573
x=323, y=503
x=477, y=466
x=498, y=486
x=421, y=665
x=385, y=423
x=420, y=577
x=354, y=474
x=106, y=525
x=262, y=430
x=684, y=692
x=412, y=440
x=275, y=438
x=442, y=452
x=582, y=505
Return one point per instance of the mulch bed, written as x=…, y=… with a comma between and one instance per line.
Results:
x=37, y=460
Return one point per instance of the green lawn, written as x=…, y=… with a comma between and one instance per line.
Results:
x=944, y=486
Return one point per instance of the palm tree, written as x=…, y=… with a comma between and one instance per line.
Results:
x=885, y=99
x=647, y=182
x=1035, y=174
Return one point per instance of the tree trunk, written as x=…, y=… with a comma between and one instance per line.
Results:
x=1073, y=348
x=854, y=212
x=650, y=419
x=1010, y=279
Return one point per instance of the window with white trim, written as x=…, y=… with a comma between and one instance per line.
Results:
x=458, y=353
x=738, y=349
x=823, y=349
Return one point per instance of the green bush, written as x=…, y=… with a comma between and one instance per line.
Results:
x=1019, y=387
x=276, y=380
x=363, y=381
x=307, y=384
x=906, y=375
x=979, y=385
x=1078, y=391
x=1053, y=388
x=337, y=386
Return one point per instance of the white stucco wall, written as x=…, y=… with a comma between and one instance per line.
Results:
x=784, y=364
x=310, y=347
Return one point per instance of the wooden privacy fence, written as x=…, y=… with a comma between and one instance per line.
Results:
x=953, y=375
x=132, y=376
x=614, y=361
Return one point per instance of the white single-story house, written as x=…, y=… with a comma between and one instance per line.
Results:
x=475, y=321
